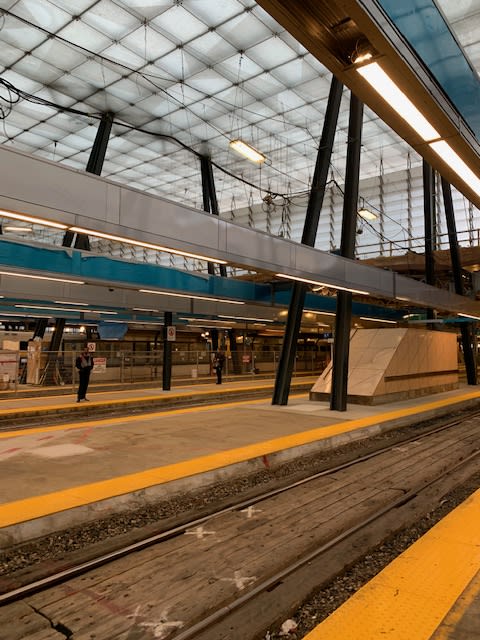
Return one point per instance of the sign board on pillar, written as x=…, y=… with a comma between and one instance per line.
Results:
x=91, y=346
x=171, y=334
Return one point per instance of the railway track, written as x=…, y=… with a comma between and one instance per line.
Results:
x=234, y=573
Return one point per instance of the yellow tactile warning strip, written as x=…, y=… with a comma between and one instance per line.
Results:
x=409, y=599
x=47, y=504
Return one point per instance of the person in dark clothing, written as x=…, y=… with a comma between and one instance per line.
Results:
x=84, y=364
x=218, y=362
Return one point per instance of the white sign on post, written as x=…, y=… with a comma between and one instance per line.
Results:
x=171, y=334
x=91, y=346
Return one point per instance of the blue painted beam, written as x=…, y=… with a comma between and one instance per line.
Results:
x=99, y=270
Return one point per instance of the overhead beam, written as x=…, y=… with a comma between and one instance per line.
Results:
x=38, y=187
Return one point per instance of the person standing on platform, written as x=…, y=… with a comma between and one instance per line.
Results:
x=84, y=364
x=218, y=362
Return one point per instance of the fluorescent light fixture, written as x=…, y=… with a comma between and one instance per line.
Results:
x=32, y=219
x=45, y=308
x=243, y=318
x=27, y=275
x=189, y=296
x=80, y=304
x=147, y=310
x=11, y=227
x=388, y=90
x=20, y=315
x=467, y=315
x=322, y=284
x=366, y=214
x=247, y=151
x=146, y=245
x=378, y=320
x=448, y=155
x=321, y=313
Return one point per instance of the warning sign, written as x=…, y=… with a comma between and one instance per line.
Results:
x=99, y=365
x=91, y=347
x=171, y=334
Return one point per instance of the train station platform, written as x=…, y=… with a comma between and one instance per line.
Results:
x=81, y=468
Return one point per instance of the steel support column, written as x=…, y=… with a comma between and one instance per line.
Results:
x=467, y=329
x=429, y=215
x=210, y=202
x=343, y=317
x=289, y=347
x=94, y=165
x=167, y=352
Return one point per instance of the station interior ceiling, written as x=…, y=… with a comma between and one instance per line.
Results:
x=186, y=78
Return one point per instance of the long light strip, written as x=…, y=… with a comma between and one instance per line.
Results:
x=146, y=245
x=247, y=151
x=185, y=295
x=146, y=310
x=27, y=275
x=467, y=315
x=448, y=155
x=32, y=219
x=243, y=318
x=322, y=284
x=80, y=304
x=45, y=308
x=378, y=320
x=321, y=313
x=388, y=90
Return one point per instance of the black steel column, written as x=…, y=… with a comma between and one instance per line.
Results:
x=317, y=192
x=94, y=165
x=466, y=328
x=343, y=317
x=210, y=202
x=429, y=215
x=167, y=352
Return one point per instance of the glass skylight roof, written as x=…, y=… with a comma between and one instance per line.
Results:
x=201, y=72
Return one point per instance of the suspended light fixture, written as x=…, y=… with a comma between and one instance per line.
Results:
x=247, y=151
x=364, y=212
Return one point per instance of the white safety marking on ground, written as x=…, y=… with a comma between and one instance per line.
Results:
x=251, y=511
x=199, y=532
x=240, y=581
x=60, y=451
x=160, y=628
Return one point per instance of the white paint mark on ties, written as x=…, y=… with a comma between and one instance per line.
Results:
x=240, y=581
x=160, y=628
x=199, y=532
x=251, y=511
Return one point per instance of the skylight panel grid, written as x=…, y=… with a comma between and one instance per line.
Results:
x=245, y=31
x=170, y=21
x=98, y=75
x=148, y=43
x=111, y=19
x=79, y=33
x=46, y=15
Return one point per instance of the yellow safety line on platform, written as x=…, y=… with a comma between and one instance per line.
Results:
x=409, y=599
x=38, y=506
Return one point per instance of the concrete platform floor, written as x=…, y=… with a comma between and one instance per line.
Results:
x=54, y=476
